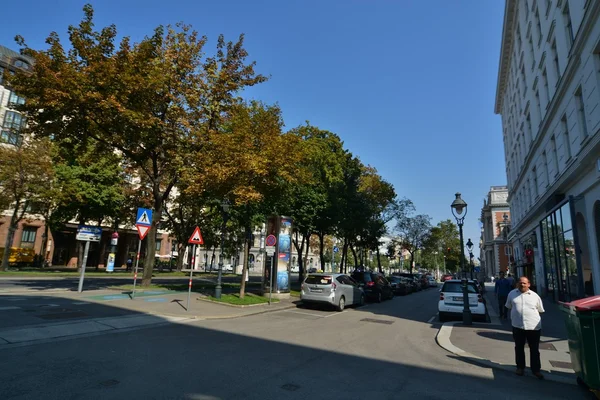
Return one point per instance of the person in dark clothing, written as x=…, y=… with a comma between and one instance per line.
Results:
x=129, y=263
x=502, y=289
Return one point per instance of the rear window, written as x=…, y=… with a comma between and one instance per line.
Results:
x=362, y=276
x=318, y=280
x=456, y=287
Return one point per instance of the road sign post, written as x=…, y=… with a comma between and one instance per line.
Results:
x=270, y=242
x=195, y=239
x=143, y=221
x=87, y=234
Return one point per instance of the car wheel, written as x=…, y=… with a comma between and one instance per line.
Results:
x=341, y=304
x=442, y=317
x=379, y=297
x=392, y=295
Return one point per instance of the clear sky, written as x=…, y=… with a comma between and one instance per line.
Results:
x=409, y=85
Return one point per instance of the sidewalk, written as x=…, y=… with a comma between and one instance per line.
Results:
x=151, y=308
x=492, y=345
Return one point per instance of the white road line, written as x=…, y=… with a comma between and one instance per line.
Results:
x=431, y=319
x=303, y=313
x=14, y=299
x=80, y=303
x=9, y=308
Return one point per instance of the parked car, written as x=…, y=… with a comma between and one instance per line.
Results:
x=432, y=281
x=451, y=300
x=338, y=290
x=295, y=269
x=312, y=270
x=227, y=268
x=374, y=284
x=399, y=285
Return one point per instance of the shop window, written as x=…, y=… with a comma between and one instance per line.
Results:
x=158, y=244
x=28, y=237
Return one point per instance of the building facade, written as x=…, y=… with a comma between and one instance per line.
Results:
x=548, y=95
x=495, y=253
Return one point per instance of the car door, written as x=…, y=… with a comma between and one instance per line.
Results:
x=345, y=289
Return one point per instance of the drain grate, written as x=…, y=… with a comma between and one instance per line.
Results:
x=68, y=315
x=561, y=364
x=378, y=321
x=290, y=387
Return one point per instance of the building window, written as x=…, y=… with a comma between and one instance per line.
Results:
x=529, y=197
x=568, y=25
x=548, y=7
x=581, y=113
x=565, y=129
x=546, y=90
x=21, y=64
x=546, y=168
x=158, y=244
x=11, y=128
x=1, y=73
x=539, y=106
x=14, y=100
x=535, y=182
x=554, y=154
x=28, y=237
x=555, y=61
x=524, y=81
x=528, y=126
x=539, y=25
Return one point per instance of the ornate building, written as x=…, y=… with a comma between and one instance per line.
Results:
x=494, y=250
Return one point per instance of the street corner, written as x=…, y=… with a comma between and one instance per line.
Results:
x=482, y=345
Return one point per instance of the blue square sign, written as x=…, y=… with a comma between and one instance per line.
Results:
x=144, y=217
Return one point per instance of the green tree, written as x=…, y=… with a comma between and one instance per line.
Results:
x=413, y=231
x=155, y=102
x=24, y=174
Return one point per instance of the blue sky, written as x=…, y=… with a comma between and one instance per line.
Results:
x=409, y=85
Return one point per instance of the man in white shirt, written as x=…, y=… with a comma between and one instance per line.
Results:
x=525, y=308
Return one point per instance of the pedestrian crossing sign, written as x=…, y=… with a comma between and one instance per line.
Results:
x=144, y=217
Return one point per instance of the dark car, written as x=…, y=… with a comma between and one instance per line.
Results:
x=399, y=285
x=374, y=284
x=419, y=281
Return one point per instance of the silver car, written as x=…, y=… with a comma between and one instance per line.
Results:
x=339, y=290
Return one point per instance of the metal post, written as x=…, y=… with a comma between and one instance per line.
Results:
x=83, y=264
x=467, y=317
x=218, y=288
x=187, y=307
x=271, y=279
x=137, y=262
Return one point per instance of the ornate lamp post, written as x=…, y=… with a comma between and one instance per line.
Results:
x=470, y=248
x=225, y=206
x=458, y=206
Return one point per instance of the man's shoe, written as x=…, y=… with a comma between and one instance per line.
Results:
x=538, y=375
x=520, y=372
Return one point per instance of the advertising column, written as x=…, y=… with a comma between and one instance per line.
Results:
x=284, y=250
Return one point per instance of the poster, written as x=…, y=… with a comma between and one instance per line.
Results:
x=110, y=265
x=285, y=240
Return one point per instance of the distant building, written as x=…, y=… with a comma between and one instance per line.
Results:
x=548, y=95
x=495, y=224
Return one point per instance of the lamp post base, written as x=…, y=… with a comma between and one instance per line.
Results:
x=218, y=292
x=467, y=317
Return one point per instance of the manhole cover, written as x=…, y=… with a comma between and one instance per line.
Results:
x=291, y=387
x=561, y=364
x=63, y=315
x=377, y=321
x=547, y=346
x=110, y=382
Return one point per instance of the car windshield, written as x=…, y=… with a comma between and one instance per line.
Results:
x=318, y=280
x=456, y=287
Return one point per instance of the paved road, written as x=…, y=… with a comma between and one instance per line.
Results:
x=381, y=351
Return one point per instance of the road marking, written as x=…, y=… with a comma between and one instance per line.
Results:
x=9, y=308
x=81, y=303
x=14, y=299
x=431, y=319
x=312, y=315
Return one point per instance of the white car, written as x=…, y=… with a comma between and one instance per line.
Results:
x=227, y=268
x=432, y=281
x=451, y=300
x=295, y=268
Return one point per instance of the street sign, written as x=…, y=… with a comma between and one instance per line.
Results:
x=143, y=221
x=270, y=240
x=196, y=237
x=336, y=249
x=89, y=233
x=270, y=250
x=477, y=269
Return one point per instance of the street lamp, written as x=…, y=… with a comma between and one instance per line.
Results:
x=225, y=206
x=458, y=206
x=470, y=248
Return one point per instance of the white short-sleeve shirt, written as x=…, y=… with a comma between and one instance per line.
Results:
x=525, y=309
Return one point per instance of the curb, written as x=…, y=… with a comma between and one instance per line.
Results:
x=443, y=340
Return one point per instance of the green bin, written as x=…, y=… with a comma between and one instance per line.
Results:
x=582, y=318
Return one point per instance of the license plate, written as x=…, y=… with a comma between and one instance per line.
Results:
x=316, y=290
x=457, y=298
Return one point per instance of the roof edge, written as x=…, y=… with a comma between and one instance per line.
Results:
x=505, y=52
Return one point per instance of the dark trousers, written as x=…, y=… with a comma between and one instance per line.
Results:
x=532, y=338
x=501, y=309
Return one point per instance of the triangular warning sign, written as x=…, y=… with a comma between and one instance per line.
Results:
x=144, y=220
x=142, y=231
x=196, y=237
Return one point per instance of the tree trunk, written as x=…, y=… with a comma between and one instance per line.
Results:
x=180, y=252
x=379, y=261
x=299, y=249
x=322, y=250
x=8, y=244
x=245, y=262
x=353, y=250
x=151, y=244
x=412, y=258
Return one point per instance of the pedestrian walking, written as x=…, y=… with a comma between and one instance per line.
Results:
x=525, y=308
x=129, y=264
x=502, y=288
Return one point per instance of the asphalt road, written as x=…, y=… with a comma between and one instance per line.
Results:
x=380, y=351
